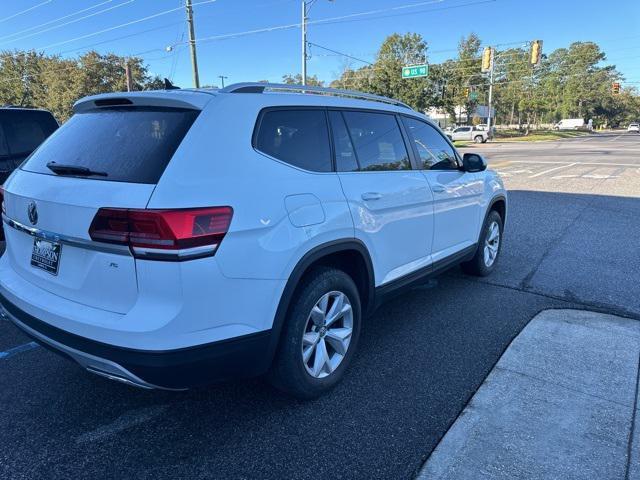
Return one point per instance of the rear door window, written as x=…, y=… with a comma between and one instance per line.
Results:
x=298, y=137
x=131, y=145
x=377, y=140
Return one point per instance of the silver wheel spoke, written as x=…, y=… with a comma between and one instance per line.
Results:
x=320, y=359
x=310, y=338
x=344, y=308
x=317, y=316
x=339, y=338
x=336, y=308
x=323, y=304
x=307, y=352
x=493, y=233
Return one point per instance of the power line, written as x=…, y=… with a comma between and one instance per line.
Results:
x=339, y=19
x=135, y=34
x=25, y=11
x=122, y=25
x=54, y=20
x=55, y=27
x=339, y=53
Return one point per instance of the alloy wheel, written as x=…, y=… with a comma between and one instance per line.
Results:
x=492, y=244
x=327, y=334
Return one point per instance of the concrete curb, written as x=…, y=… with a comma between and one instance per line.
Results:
x=559, y=403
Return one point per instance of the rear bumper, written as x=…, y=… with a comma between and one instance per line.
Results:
x=237, y=357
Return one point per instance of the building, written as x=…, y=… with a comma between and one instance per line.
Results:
x=443, y=119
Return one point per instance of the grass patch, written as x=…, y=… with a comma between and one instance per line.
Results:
x=538, y=135
x=461, y=144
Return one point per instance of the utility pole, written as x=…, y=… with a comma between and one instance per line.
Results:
x=128, y=74
x=306, y=5
x=222, y=78
x=488, y=65
x=304, y=42
x=192, y=44
x=490, y=93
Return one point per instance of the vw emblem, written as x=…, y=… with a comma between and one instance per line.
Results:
x=32, y=211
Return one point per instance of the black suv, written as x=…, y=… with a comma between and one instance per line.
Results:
x=22, y=130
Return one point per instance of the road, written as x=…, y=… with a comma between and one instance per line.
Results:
x=572, y=241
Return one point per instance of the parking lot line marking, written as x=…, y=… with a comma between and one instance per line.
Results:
x=606, y=164
x=544, y=172
x=503, y=163
x=19, y=349
x=125, y=421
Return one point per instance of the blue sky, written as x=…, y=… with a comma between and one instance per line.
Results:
x=269, y=55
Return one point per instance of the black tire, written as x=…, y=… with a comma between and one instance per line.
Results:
x=288, y=372
x=477, y=265
x=478, y=139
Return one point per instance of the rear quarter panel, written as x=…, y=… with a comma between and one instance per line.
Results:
x=276, y=219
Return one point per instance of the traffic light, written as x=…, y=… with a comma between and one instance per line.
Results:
x=487, y=59
x=615, y=88
x=536, y=52
x=466, y=92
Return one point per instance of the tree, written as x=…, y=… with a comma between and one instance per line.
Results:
x=32, y=79
x=296, y=79
x=383, y=77
x=465, y=74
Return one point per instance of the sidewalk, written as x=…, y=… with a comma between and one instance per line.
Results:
x=560, y=403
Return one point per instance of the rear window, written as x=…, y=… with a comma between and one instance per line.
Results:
x=131, y=145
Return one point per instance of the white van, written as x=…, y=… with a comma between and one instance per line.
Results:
x=570, y=124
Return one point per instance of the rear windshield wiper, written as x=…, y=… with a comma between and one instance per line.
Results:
x=61, y=169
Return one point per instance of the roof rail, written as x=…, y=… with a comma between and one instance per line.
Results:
x=260, y=87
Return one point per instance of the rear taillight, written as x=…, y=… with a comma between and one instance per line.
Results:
x=167, y=234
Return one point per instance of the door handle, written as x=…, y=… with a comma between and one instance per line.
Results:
x=438, y=188
x=367, y=196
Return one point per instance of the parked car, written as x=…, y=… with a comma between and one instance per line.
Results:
x=633, y=127
x=22, y=130
x=469, y=133
x=570, y=124
x=168, y=239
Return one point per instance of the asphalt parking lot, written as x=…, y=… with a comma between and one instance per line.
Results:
x=572, y=241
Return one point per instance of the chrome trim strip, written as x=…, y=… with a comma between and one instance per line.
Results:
x=98, y=365
x=67, y=240
x=175, y=255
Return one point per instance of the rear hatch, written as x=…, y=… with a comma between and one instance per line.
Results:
x=110, y=154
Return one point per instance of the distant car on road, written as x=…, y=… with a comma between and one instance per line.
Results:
x=570, y=124
x=22, y=130
x=469, y=133
x=633, y=127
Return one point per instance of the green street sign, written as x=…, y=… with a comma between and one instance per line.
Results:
x=415, y=71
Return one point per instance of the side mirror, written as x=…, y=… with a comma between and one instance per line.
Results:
x=472, y=162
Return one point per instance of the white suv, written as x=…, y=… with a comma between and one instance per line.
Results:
x=168, y=239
